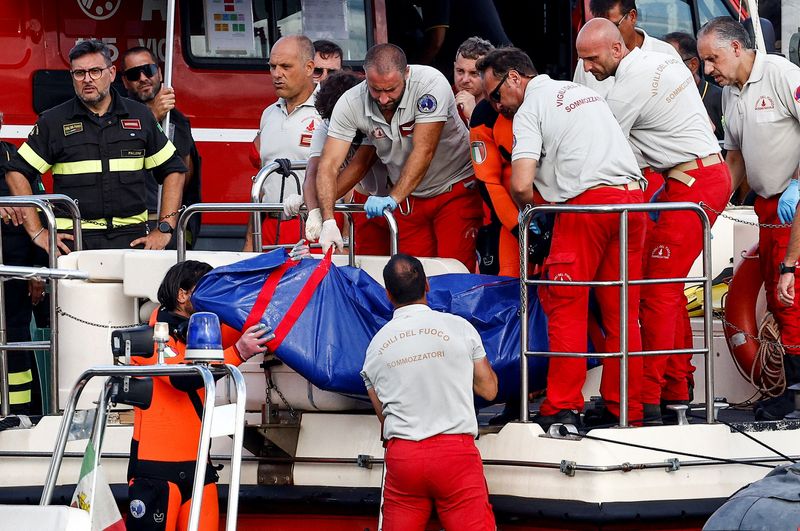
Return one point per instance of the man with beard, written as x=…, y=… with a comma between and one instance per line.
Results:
x=409, y=115
x=466, y=79
x=99, y=148
x=143, y=80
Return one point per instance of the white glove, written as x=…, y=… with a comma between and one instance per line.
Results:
x=330, y=235
x=314, y=225
x=292, y=204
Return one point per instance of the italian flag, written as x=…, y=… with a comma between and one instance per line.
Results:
x=93, y=495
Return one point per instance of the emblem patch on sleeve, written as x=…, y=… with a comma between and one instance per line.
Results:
x=478, y=152
x=427, y=103
x=71, y=129
x=797, y=94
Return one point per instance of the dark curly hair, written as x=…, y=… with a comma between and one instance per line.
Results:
x=332, y=88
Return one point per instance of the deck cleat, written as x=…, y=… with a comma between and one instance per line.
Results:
x=680, y=412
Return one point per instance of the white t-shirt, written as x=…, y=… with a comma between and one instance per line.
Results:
x=763, y=121
x=421, y=365
x=287, y=136
x=656, y=101
x=649, y=44
x=571, y=131
x=427, y=98
x=374, y=182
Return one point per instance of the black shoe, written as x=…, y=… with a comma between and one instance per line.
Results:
x=776, y=408
x=652, y=415
x=504, y=418
x=565, y=416
x=600, y=417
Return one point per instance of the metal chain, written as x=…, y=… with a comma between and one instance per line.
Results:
x=722, y=214
x=748, y=335
x=89, y=323
x=271, y=385
x=105, y=225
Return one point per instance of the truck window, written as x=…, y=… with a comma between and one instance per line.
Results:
x=708, y=9
x=240, y=34
x=659, y=17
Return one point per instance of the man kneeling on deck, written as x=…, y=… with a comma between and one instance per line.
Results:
x=166, y=435
x=421, y=370
x=567, y=140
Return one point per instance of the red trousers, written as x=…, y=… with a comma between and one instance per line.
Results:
x=444, y=471
x=372, y=235
x=445, y=225
x=671, y=249
x=772, y=244
x=586, y=247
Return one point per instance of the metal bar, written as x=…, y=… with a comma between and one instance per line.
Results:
x=77, y=389
x=624, y=282
x=26, y=345
x=203, y=447
x=43, y=203
x=611, y=283
x=42, y=272
x=238, y=443
x=5, y=388
x=601, y=355
x=255, y=208
x=708, y=315
x=623, y=319
x=524, y=414
x=255, y=195
x=351, y=244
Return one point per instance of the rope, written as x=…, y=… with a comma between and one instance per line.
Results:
x=769, y=358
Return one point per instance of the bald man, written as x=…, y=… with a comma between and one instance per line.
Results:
x=655, y=102
x=286, y=129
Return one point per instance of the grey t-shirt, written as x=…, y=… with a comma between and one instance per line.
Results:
x=421, y=366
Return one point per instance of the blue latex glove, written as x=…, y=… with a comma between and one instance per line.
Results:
x=375, y=205
x=654, y=214
x=534, y=227
x=787, y=204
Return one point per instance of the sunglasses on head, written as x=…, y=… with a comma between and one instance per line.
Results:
x=318, y=71
x=133, y=74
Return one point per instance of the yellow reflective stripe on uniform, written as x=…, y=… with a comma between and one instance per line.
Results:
x=161, y=157
x=19, y=397
x=95, y=224
x=133, y=164
x=33, y=158
x=20, y=378
x=76, y=168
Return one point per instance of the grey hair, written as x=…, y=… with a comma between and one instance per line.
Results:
x=726, y=30
x=474, y=48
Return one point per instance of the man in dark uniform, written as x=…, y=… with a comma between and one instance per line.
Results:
x=19, y=298
x=143, y=80
x=711, y=94
x=100, y=147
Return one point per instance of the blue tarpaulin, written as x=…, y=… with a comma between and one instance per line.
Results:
x=328, y=341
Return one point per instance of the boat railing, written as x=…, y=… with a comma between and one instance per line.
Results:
x=256, y=208
x=216, y=421
x=624, y=282
x=44, y=203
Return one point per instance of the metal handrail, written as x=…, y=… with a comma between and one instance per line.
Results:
x=346, y=209
x=43, y=203
x=204, y=444
x=624, y=282
x=257, y=189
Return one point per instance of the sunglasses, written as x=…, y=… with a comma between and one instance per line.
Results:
x=617, y=23
x=133, y=74
x=495, y=94
x=318, y=71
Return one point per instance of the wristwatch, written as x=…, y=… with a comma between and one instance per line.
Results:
x=786, y=269
x=165, y=227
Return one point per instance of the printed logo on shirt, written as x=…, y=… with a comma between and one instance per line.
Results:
x=71, y=129
x=662, y=252
x=797, y=94
x=407, y=129
x=305, y=140
x=158, y=517
x=378, y=133
x=765, y=103
x=562, y=277
x=131, y=153
x=131, y=123
x=478, y=152
x=427, y=103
